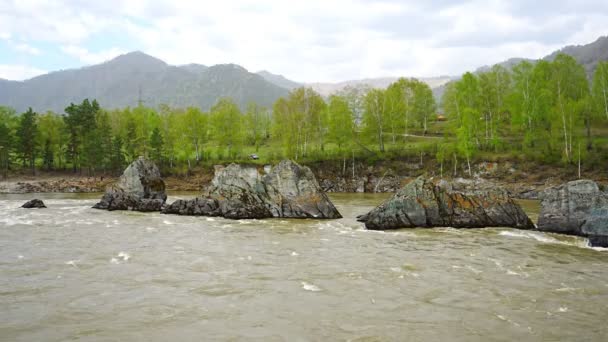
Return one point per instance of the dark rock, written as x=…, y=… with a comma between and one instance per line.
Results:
x=422, y=203
x=140, y=188
x=243, y=192
x=194, y=207
x=35, y=203
x=576, y=208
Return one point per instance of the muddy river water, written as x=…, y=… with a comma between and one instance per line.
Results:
x=74, y=273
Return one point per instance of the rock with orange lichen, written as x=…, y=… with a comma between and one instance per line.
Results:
x=426, y=203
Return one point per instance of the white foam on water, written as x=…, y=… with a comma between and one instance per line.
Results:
x=473, y=269
x=294, y=253
x=542, y=237
x=599, y=249
x=72, y=263
x=530, y=235
x=20, y=257
x=395, y=269
x=209, y=219
x=563, y=309
x=310, y=287
x=114, y=261
x=509, y=272
x=13, y=221
x=150, y=229
x=167, y=222
x=124, y=255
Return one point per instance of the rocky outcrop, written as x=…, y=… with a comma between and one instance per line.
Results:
x=576, y=208
x=425, y=203
x=35, y=203
x=140, y=188
x=287, y=190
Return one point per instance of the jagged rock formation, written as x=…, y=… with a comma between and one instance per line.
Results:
x=35, y=203
x=576, y=208
x=238, y=192
x=140, y=188
x=423, y=203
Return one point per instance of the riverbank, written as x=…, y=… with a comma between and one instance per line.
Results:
x=524, y=181
x=76, y=184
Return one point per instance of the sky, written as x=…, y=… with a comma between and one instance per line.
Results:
x=306, y=41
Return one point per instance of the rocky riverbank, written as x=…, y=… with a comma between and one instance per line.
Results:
x=521, y=181
x=75, y=184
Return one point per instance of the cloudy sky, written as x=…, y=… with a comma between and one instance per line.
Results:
x=313, y=40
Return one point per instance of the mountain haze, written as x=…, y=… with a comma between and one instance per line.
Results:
x=588, y=55
x=126, y=79
x=131, y=77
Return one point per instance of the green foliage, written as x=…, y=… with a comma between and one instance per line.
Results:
x=27, y=133
x=227, y=123
x=545, y=111
x=6, y=143
x=340, y=121
x=157, y=146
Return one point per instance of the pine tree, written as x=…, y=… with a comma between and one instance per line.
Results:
x=26, y=135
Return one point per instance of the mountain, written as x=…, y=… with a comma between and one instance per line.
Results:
x=327, y=89
x=588, y=55
x=279, y=80
x=121, y=81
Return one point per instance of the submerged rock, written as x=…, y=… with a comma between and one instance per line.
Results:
x=287, y=190
x=140, y=188
x=576, y=208
x=423, y=203
x=35, y=203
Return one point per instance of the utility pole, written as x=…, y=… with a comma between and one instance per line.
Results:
x=140, y=101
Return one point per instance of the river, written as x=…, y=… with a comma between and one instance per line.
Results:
x=74, y=273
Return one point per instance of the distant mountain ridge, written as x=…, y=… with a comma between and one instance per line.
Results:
x=121, y=81
x=589, y=55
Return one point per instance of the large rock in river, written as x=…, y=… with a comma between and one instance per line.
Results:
x=287, y=190
x=576, y=208
x=35, y=203
x=140, y=188
x=424, y=203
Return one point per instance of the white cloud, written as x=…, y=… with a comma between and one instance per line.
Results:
x=19, y=72
x=88, y=57
x=315, y=40
x=23, y=47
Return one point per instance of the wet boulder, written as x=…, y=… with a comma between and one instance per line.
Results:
x=576, y=208
x=287, y=190
x=425, y=203
x=35, y=203
x=293, y=192
x=140, y=188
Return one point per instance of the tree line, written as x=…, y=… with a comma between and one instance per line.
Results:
x=544, y=111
